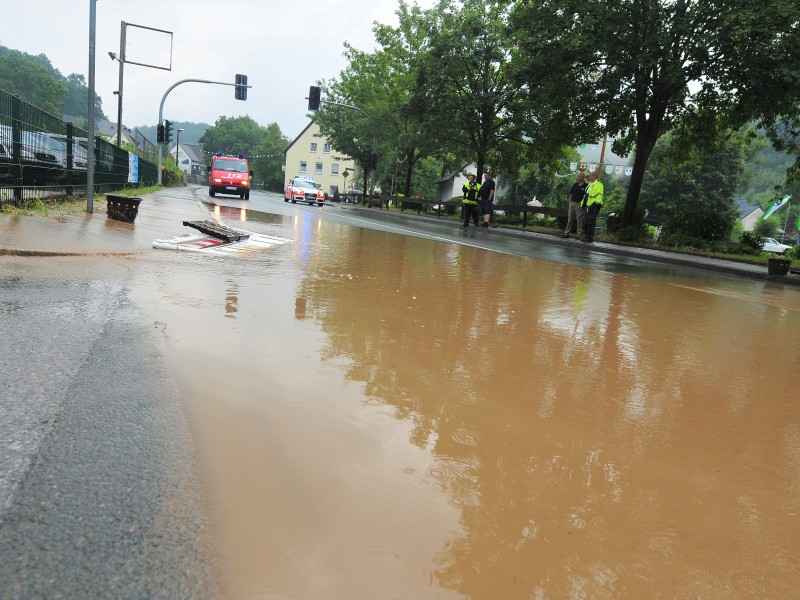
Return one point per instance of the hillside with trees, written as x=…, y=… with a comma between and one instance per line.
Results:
x=36, y=81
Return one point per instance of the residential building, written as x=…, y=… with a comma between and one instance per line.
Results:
x=449, y=185
x=191, y=159
x=108, y=130
x=748, y=214
x=310, y=154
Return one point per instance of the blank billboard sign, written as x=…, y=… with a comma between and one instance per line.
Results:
x=147, y=46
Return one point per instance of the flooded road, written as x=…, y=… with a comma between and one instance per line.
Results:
x=385, y=416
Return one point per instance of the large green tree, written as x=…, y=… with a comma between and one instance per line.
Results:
x=42, y=85
x=694, y=192
x=645, y=67
x=468, y=79
x=33, y=79
x=268, y=158
x=242, y=135
x=392, y=97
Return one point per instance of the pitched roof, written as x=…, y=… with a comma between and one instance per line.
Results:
x=292, y=143
x=745, y=208
x=194, y=152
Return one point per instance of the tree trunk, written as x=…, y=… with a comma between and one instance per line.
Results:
x=479, y=165
x=409, y=170
x=644, y=147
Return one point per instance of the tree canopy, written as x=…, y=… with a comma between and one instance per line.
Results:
x=39, y=83
x=263, y=146
x=645, y=67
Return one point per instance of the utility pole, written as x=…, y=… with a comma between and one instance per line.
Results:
x=315, y=100
x=90, y=149
x=121, y=59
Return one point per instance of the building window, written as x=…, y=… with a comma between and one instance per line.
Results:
x=302, y=166
x=335, y=169
x=326, y=148
x=313, y=146
x=318, y=168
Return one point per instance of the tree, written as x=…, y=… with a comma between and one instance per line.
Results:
x=33, y=78
x=77, y=93
x=39, y=83
x=390, y=89
x=268, y=157
x=694, y=194
x=264, y=146
x=646, y=67
x=468, y=79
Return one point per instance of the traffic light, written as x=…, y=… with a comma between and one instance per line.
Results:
x=314, y=98
x=167, y=132
x=240, y=92
x=160, y=133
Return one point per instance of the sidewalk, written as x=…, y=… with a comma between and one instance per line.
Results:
x=161, y=217
x=729, y=267
x=94, y=233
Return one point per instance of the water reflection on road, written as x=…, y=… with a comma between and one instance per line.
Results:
x=382, y=416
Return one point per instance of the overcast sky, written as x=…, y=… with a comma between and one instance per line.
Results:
x=282, y=47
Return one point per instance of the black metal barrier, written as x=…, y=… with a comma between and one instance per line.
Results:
x=440, y=208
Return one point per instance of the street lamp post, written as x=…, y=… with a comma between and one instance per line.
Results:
x=177, y=142
x=121, y=59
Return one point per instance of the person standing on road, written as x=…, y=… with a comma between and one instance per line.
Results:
x=471, y=190
x=576, y=195
x=487, y=197
x=593, y=201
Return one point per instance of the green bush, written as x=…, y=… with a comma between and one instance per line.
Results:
x=508, y=219
x=750, y=243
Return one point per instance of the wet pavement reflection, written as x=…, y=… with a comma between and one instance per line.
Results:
x=382, y=416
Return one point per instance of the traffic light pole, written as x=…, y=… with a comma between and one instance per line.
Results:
x=161, y=110
x=374, y=140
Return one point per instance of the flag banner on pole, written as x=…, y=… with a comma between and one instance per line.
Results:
x=776, y=206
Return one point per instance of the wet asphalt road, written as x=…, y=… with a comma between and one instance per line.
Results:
x=98, y=497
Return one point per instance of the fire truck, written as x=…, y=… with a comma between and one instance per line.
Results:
x=229, y=175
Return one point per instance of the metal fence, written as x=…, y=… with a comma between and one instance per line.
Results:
x=44, y=156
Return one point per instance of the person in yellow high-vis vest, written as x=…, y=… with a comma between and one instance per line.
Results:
x=593, y=201
x=471, y=190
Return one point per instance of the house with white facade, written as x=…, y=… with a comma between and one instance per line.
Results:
x=191, y=159
x=748, y=213
x=311, y=154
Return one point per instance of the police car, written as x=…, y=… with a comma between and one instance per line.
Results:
x=303, y=189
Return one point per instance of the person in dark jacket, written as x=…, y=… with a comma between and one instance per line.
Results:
x=576, y=195
x=487, y=197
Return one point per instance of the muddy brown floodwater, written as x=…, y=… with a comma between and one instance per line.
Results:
x=379, y=416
